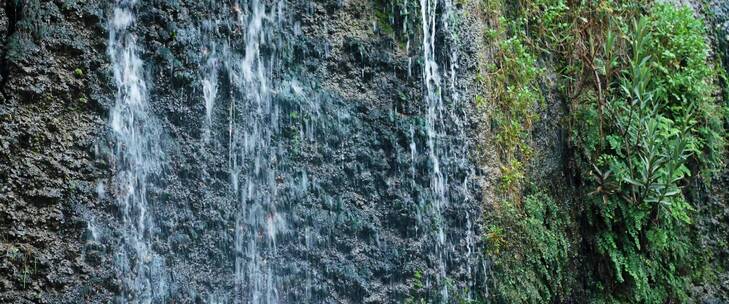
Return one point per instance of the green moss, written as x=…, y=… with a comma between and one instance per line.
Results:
x=384, y=23
x=645, y=122
x=531, y=251
x=398, y=19
x=79, y=73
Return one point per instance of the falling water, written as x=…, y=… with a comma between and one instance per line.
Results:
x=137, y=158
x=209, y=87
x=433, y=99
x=438, y=117
x=253, y=123
x=246, y=70
x=448, y=24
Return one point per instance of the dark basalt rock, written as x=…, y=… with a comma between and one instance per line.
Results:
x=359, y=242
x=720, y=10
x=713, y=218
x=352, y=234
x=48, y=132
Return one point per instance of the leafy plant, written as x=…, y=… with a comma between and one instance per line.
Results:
x=645, y=123
x=639, y=159
x=517, y=97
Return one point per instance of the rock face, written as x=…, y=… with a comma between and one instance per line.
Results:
x=713, y=221
x=322, y=195
x=49, y=121
x=297, y=160
x=720, y=9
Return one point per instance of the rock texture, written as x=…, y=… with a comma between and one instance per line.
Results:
x=713, y=221
x=353, y=233
x=49, y=121
x=348, y=178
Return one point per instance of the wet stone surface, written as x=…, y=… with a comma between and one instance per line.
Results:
x=324, y=127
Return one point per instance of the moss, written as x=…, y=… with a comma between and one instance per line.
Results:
x=644, y=119
x=531, y=250
x=397, y=19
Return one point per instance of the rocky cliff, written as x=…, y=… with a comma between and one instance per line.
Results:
x=259, y=151
x=319, y=195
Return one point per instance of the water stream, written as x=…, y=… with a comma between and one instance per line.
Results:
x=333, y=200
x=137, y=161
x=253, y=123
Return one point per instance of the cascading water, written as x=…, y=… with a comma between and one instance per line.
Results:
x=253, y=123
x=311, y=209
x=137, y=159
x=447, y=153
x=431, y=79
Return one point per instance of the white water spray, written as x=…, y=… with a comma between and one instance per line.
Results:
x=137, y=158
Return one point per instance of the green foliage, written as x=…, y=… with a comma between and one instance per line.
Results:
x=687, y=83
x=645, y=122
x=79, y=73
x=660, y=118
x=516, y=96
x=419, y=292
x=531, y=251
x=527, y=237
x=22, y=261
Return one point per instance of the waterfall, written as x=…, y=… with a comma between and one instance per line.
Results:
x=137, y=160
x=253, y=122
x=434, y=102
x=447, y=153
x=312, y=192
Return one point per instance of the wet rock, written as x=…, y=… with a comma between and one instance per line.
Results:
x=350, y=105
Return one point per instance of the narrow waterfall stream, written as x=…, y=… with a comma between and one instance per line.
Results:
x=437, y=200
x=308, y=192
x=253, y=123
x=441, y=145
x=136, y=158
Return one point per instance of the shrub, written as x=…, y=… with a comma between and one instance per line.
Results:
x=645, y=123
x=660, y=118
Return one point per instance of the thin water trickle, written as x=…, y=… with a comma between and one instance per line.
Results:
x=449, y=24
x=209, y=87
x=413, y=152
x=253, y=123
x=433, y=99
x=137, y=161
x=92, y=232
x=100, y=190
